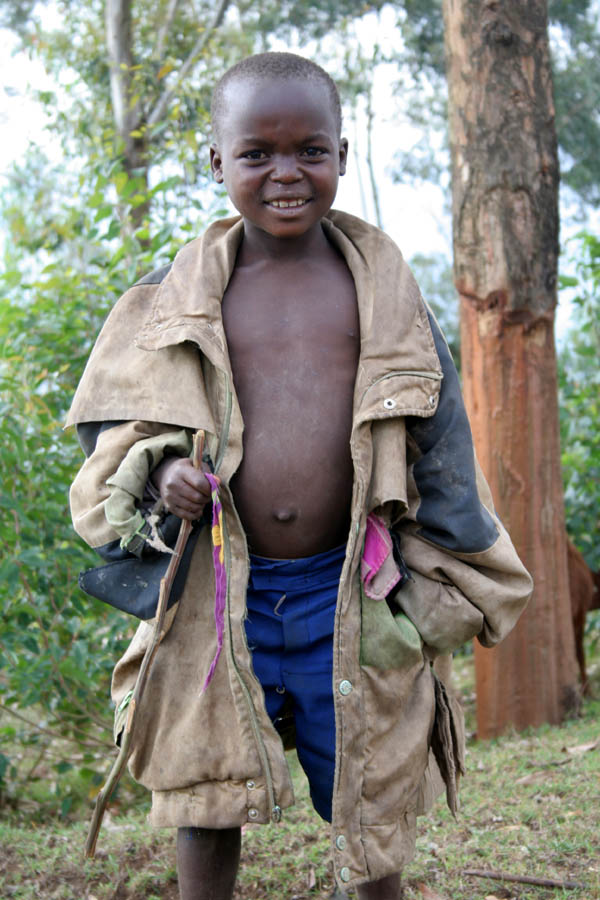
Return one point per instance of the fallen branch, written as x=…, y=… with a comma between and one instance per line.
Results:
x=165, y=589
x=524, y=879
x=83, y=741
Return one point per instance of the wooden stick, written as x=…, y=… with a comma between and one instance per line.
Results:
x=166, y=585
x=524, y=879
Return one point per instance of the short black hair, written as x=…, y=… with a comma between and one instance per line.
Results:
x=277, y=66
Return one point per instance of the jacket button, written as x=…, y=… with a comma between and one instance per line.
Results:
x=345, y=687
x=389, y=403
x=253, y=813
x=250, y=785
x=432, y=400
x=340, y=842
x=345, y=874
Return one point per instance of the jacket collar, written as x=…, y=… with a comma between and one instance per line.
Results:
x=396, y=338
x=187, y=305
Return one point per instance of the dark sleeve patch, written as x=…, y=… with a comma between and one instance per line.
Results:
x=87, y=433
x=155, y=277
x=133, y=585
x=450, y=513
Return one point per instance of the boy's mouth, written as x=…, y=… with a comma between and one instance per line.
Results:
x=287, y=204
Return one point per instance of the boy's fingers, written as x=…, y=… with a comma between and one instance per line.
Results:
x=185, y=500
x=197, y=481
x=185, y=496
x=184, y=489
x=186, y=511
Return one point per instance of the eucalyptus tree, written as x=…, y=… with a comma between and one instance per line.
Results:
x=574, y=42
x=505, y=179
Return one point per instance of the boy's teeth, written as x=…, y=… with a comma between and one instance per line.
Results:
x=283, y=204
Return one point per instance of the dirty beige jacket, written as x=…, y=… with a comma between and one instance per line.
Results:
x=215, y=759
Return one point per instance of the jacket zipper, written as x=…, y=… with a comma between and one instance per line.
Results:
x=226, y=424
x=262, y=750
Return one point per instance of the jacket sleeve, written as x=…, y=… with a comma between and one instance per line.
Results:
x=105, y=444
x=467, y=579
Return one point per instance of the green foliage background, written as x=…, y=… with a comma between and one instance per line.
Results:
x=579, y=378
x=57, y=646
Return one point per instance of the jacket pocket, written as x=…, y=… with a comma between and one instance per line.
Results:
x=389, y=640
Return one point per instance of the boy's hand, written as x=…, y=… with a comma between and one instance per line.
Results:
x=184, y=490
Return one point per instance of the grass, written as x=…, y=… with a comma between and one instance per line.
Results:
x=529, y=808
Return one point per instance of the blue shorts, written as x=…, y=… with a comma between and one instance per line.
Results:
x=291, y=612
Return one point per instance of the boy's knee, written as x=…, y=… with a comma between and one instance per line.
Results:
x=208, y=835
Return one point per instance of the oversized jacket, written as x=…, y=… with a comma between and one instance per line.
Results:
x=214, y=759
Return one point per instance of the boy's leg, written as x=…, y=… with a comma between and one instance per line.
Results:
x=387, y=888
x=207, y=862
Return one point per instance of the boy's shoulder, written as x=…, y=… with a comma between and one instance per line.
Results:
x=362, y=233
x=217, y=237
x=155, y=277
x=160, y=312
x=214, y=235
x=377, y=264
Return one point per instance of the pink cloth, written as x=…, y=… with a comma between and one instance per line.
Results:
x=378, y=568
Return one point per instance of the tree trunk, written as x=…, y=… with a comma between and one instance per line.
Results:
x=127, y=111
x=132, y=123
x=505, y=223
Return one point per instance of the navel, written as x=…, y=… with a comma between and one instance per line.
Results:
x=285, y=515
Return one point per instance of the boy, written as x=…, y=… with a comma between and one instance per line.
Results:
x=296, y=338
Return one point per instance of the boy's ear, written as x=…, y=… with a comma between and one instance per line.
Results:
x=343, y=155
x=216, y=164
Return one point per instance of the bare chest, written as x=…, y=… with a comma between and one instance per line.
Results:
x=289, y=334
x=294, y=347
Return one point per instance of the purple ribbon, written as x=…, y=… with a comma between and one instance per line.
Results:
x=218, y=554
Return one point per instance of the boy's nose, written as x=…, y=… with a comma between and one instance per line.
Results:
x=285, y=169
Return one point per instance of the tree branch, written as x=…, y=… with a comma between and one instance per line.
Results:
x=87, y=738
x=524, y=879
x=164, y=28
x=358, y=164
x=370, y=168
x=118, y=43
x=370, y=119
x=159, y=110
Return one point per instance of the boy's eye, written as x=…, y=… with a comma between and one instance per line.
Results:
x=254, y=154
x=314, y=152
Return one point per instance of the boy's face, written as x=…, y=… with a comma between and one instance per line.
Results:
x=279, y=154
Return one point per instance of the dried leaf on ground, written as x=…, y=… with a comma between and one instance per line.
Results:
x=582, y=748
x=428, y=893
x=505, y=896
x=532, y=778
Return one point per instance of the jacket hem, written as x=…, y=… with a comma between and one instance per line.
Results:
x=220, y=804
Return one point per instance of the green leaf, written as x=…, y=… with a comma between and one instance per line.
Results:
x=103, y=213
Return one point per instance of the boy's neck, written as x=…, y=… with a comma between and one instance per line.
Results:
x=258, y=246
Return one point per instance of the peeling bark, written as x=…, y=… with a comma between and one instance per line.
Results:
x=505, y=224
